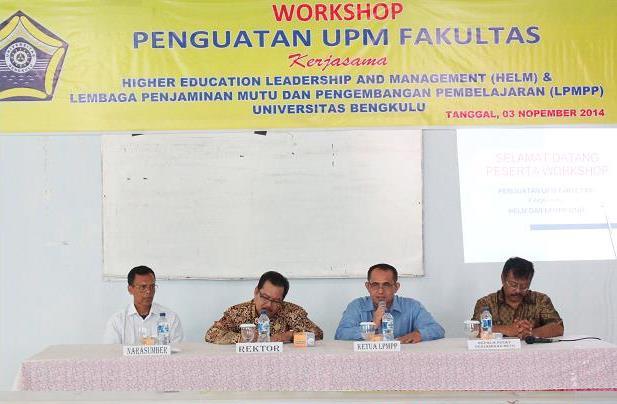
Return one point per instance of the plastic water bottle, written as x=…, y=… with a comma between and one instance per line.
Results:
x=387, y=323
x=486, y=324
x=162, y=330
x=263, y=327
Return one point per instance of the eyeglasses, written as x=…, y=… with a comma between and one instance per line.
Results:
x=376, y=286
x=269, y=299
x=143, y=288
x=517, y=286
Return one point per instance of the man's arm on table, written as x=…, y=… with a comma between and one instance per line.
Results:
x=282, y=336
x=302, y=323
x=519, y=328
x=548, y=330
x=349, y=326
x=425, y=327
x=523, y=328
x=218, y=334
x=412, y=338
x=222, y=331
x=551, y=325
x=551, y=322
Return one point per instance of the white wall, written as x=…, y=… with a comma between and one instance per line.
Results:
x=52, y=291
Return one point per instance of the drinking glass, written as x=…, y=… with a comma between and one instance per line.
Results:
x=247, y=332
x=367, y=328
x=472, y=329
x=146, y=337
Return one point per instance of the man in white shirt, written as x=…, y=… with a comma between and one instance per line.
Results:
x=127, y=326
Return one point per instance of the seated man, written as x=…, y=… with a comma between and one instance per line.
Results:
x=412, y=323
x=285, y=318
x=124, y=327
x=518, y=311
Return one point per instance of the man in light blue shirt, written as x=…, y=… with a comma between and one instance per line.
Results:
x=412, y=322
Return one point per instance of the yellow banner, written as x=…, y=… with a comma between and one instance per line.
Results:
x=160, y=65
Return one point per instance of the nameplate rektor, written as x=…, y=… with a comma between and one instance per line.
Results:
x=493, y=344
x=146, y=350
x=377, y=346
x=259, y=347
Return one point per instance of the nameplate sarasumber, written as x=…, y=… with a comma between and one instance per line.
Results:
x=146, y=350
x=259, y=347
x=377, y=346
x=493, y=344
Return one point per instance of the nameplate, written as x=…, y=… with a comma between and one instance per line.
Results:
x=493, y=344
x=377, y=346
x=259, y=347
x=146, y=350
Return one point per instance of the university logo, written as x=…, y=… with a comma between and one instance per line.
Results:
x=31, y=59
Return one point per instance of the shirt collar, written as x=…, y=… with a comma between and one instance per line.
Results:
x=155, y=310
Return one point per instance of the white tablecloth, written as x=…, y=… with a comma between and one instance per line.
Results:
x=330, y=366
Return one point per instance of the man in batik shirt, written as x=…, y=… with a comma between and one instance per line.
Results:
x=518, y=311
x=285, y=318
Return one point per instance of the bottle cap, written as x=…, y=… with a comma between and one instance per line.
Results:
x=263, y=311
x=162, y=314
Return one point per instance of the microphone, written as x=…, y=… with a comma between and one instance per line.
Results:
x=530, y=339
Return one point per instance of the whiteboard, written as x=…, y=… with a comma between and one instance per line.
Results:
x=233, y=205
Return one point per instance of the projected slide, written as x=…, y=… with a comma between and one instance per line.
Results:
x=543, y=194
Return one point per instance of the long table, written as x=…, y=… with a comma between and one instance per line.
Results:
x=442, y=365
